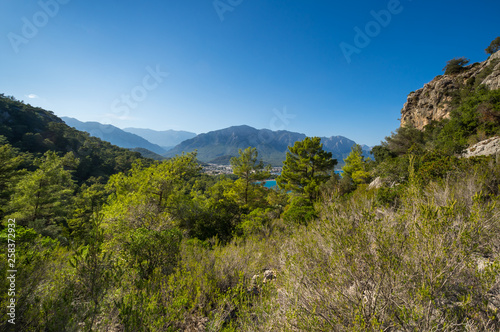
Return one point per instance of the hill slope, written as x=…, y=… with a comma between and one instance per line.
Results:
x=113, y=135
x=35, y=130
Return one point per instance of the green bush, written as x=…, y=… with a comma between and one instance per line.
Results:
x=434, y=165
x=300, y=211
x=388, y=197
x=148, y=250
x=455, y=66
x=494, y=46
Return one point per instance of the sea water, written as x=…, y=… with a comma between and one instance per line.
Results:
x=272, y=183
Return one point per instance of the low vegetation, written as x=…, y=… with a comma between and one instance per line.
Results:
x=455, y=66
x=494, y=46
x=161, y=246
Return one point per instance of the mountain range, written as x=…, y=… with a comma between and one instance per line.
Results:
x=216, y=147
x=167, y=139
x=220, y=145
x=123, y=138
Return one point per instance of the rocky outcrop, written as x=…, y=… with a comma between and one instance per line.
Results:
x=433, y=102
x=376, y=184
x=487, y=147
x=269, y=275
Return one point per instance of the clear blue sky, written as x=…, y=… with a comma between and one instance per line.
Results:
x=248, y=62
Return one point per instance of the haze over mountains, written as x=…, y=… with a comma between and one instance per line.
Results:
x=213, y=147
x=158, y=142
x=220, y=145
x=114, y=135
x=167, y=139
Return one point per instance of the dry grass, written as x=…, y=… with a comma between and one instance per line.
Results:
x=430, y=265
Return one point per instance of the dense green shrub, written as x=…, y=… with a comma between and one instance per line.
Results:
x=300, y=211
x=435, y=165
x=455, y=66
x=477, y=114
x=494, y=46
x=389, y=197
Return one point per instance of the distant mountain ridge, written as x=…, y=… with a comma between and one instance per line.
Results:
x=114, y=135
x=35, y=131
x=213, y=147
x=167, y=139
x=218, y=146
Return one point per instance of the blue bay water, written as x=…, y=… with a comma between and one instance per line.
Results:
x=272, y=183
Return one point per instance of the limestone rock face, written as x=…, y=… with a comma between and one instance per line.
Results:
x=433, y=101
x=487, y=147
x=376, y=184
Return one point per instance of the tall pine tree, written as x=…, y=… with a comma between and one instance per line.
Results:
x=10, y=161
x=249, y=170
x=306, y=167
x=42, y=198
x=356, y=166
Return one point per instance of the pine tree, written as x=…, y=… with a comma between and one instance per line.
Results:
x=10, y=160
x=494, y=46
x=42, y=198
x=306, y=167
x=355, y=166
x=249, y=170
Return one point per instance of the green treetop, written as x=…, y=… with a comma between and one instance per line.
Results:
x=41, y=198
x=494, y=46
x=10, y=161
x=306, y=167
x=355, y=166
x=455, y=66
x=249, y=170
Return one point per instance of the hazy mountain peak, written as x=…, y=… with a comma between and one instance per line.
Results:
x=164, y=138
x=114, y=135
x=220, y=145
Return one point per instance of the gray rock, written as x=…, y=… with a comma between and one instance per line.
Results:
x=269, y=275
x=488, y=147
x=376, y=184
x=433, y=101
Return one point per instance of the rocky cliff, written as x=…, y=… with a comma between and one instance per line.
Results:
x=434, y=100
x=490, y=146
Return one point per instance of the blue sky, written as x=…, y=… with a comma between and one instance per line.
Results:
x=203, y=65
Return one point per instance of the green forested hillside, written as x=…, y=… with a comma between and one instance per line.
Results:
x=35, y=131
x=161, y=246
x=114, y=135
